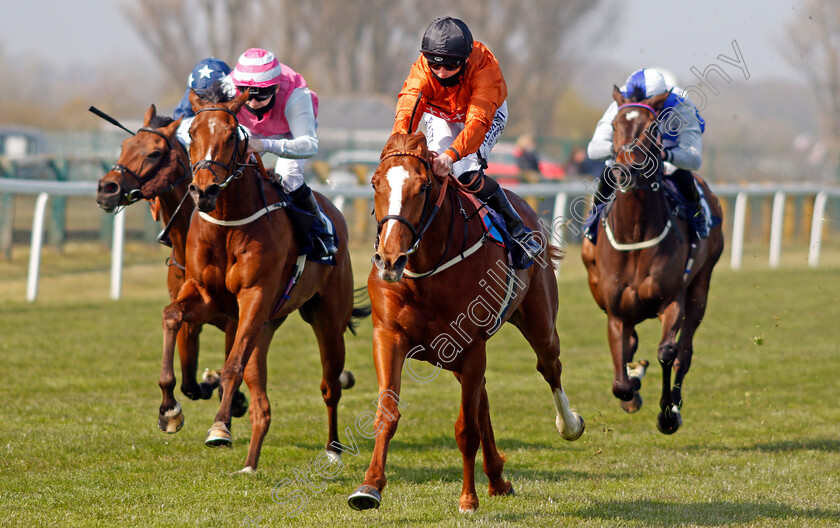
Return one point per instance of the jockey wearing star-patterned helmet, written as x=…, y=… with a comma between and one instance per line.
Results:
x=203, y=75
x=680, y=128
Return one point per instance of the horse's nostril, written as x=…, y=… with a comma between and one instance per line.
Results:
x=109, y=188
x=401, y=261
x=377, y=261
x=193, y=188
x=212, y=190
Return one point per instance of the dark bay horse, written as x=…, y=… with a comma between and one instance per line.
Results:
x=154, y=166
x=643, y=265
x=242, y=257
x=427, y=305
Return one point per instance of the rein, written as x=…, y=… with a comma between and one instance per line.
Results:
x=135, y=195
x=235, y=174
x=240, y=166
x=417, y=234
x=654, y=186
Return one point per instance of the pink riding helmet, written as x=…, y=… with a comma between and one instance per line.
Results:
x=258, y=68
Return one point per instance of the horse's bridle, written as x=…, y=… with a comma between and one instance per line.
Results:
x=655, y=182
x=416, y=233
x=135, y=195
x=235, y=160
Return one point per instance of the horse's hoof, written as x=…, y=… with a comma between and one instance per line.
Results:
x=507, y=493
x=218, y=435
x=364, y=498
x=247, y=470
x=468, y=504
x=239, y=405
x=347, y=379
x=669, y=420
x=574, y=435
x=211, y=377
x=172, y=420
x=633, y=405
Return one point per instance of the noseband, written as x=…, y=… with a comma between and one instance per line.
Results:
x=416, y=233
x=135, y=195
x=235, y=166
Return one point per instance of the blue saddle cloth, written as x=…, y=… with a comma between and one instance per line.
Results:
x=496, y=229
x=307, y=228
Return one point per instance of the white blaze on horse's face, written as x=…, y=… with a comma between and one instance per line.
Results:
x=631, y=115
x=396, y=177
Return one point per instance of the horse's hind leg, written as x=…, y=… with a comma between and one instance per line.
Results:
x=329, y=316
x=535, y=319
x=188, y=352
x=255, y=376
x=695, y=309
x=669, y=419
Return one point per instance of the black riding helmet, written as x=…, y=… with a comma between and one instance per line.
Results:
x=447, y=40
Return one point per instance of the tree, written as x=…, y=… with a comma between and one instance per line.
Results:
x=367, y=46
x=813, y=47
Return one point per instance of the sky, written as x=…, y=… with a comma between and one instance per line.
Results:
x=672, y=34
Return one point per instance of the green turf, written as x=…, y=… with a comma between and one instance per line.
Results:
x=760, y=445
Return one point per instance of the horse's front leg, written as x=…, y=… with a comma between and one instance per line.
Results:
x=388, y=356
x=620, y=334
x=253, y=312
x=467, y=432
x=187, y=308
x=669, y=419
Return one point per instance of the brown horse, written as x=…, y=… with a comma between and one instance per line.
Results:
x=243, y=262
x=643, y=265
x=425, y=307
x=154, y=166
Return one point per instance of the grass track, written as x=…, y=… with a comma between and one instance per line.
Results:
x=760, y=445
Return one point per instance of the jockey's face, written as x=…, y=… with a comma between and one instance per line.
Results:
x=258, y=101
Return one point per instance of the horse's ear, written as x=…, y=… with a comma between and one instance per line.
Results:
x=170, y=129
x=150, y=113
x=618, y=96
x=237, y=102
x=657, y=101
x=195, y=100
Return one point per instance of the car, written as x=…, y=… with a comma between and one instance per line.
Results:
x=502, y=166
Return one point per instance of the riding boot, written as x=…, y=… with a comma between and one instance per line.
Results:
x=529, y=246
x=685, y=182
x=602, y=195
x=324, y=247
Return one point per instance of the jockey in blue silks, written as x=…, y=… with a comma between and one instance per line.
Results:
x=680, y=127
x=202, y=77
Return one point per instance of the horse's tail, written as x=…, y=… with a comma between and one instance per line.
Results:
x=361, y=308
x=555, y=255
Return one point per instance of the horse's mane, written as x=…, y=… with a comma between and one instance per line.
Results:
x=215, y=93
x=160, y=121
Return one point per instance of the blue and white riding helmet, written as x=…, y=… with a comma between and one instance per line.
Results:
x=206, y=72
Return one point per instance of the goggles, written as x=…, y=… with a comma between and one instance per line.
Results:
x=447, y=63
x=258, y=94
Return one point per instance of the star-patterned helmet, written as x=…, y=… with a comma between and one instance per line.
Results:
x=206, y=72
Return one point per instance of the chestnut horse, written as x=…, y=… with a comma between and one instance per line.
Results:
x=154, y=166
x=643, y=265
x=241, y=259
x=417, y=292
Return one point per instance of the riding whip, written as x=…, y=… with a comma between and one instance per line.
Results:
x=108, y=118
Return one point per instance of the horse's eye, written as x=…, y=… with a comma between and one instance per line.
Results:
x=155, y=154
x=424, y=187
